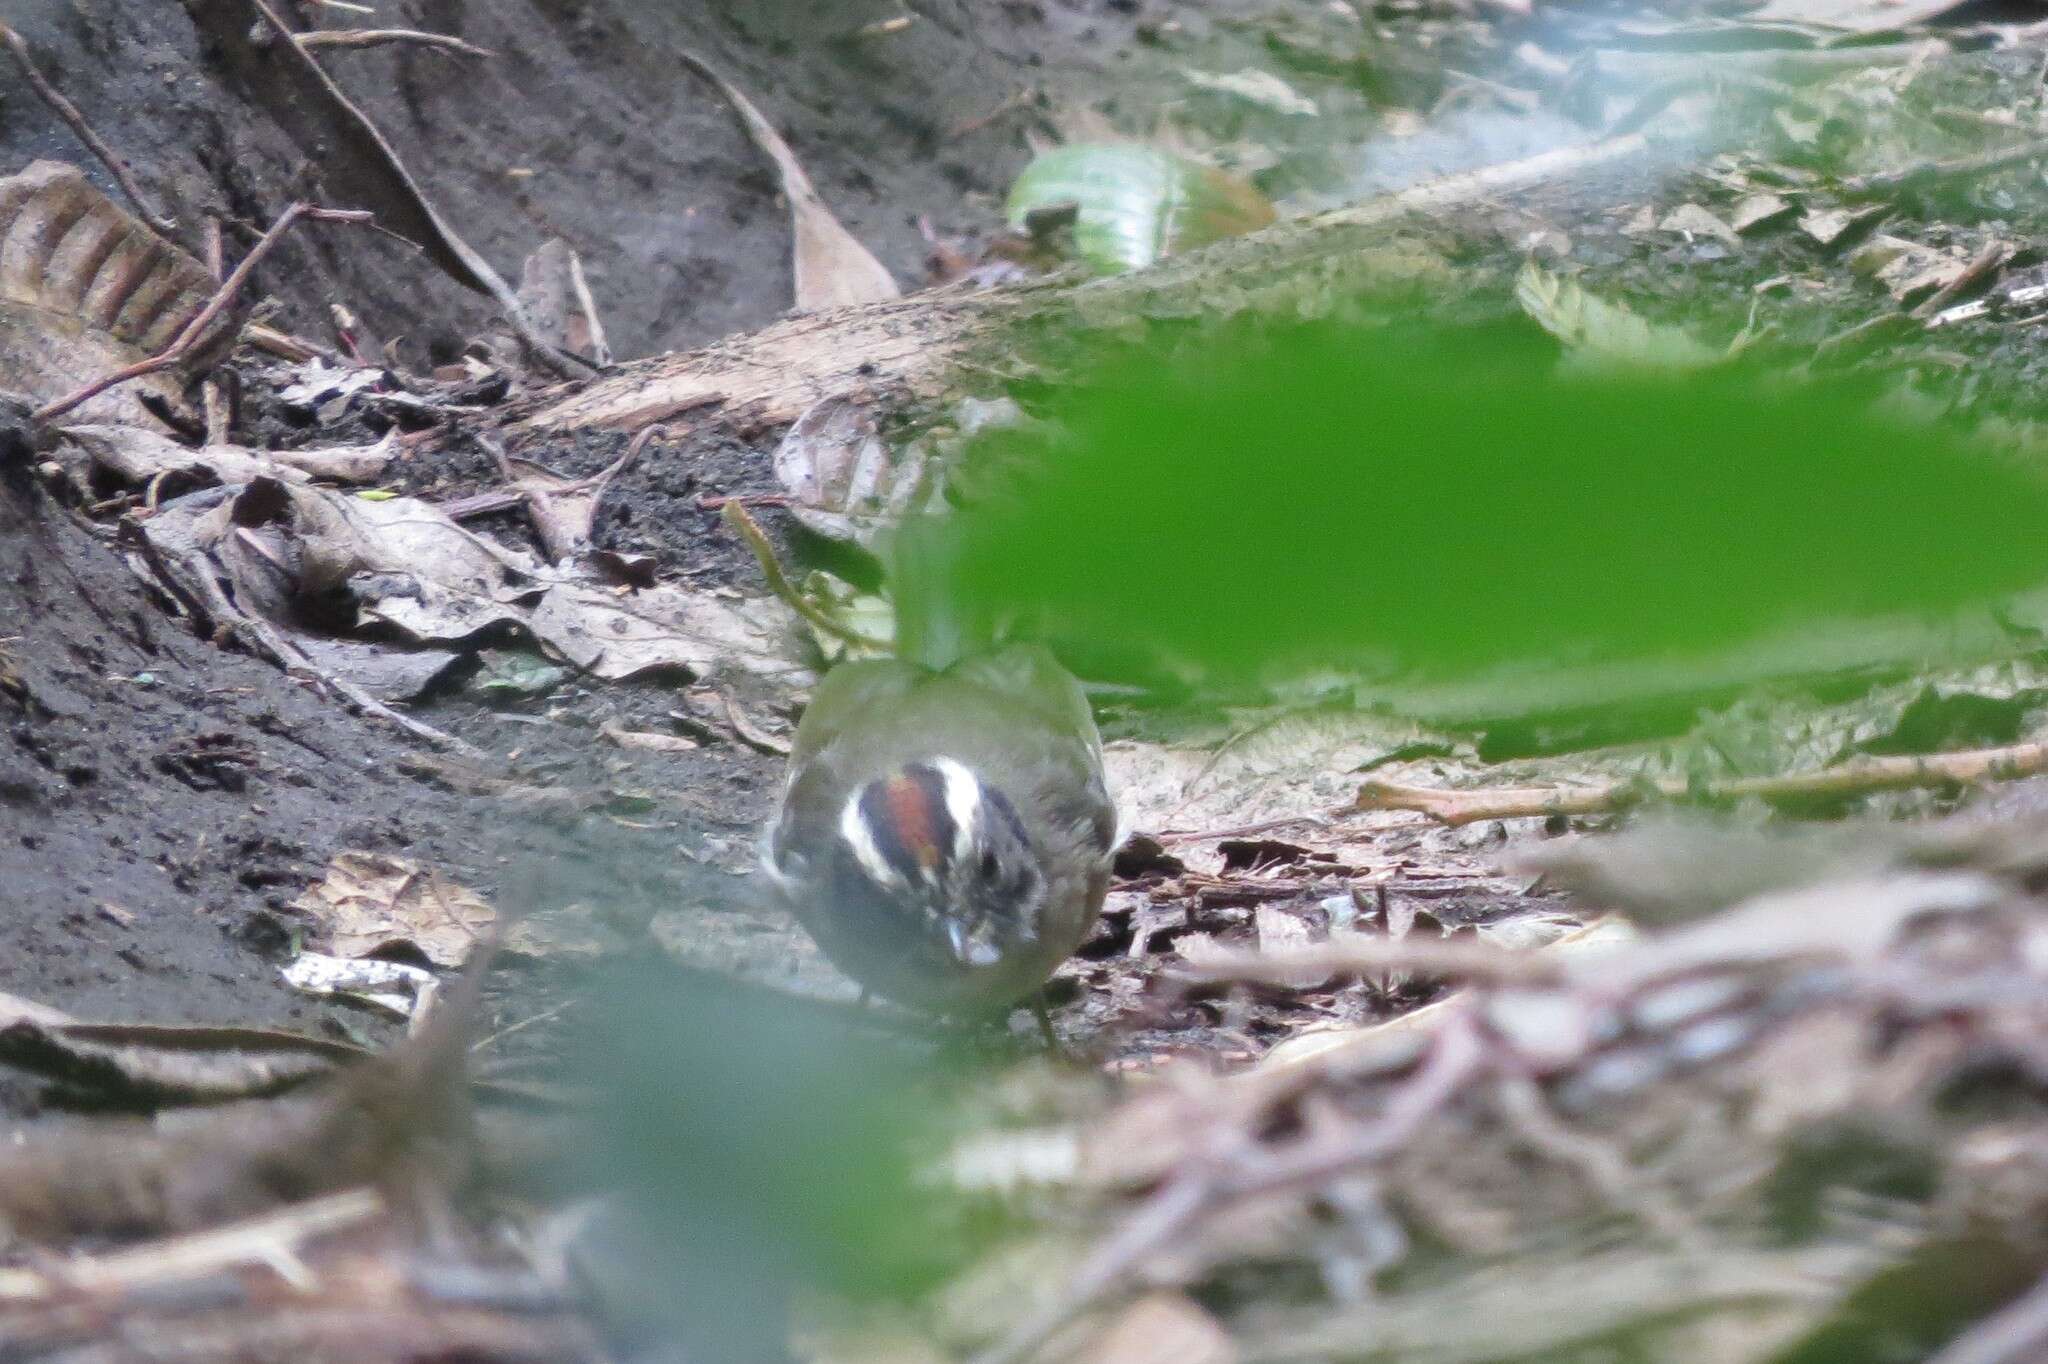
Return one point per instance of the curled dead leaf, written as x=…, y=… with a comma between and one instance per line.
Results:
x=833, y=269
x=86, y=289
x=370, y=902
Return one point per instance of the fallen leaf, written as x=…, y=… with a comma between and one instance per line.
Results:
x=1754, y=211
x=847, y=482
x=384, y=672
x=85, y=289
x=833, y=269
x=403, y=989
x=1829, y=225
x=1253, y=86
x=1691, y=220
x=1136, y=203
x=661, y=629
x=557, y=299
x=374, y=903
x=1598, y=333
x=509, y=673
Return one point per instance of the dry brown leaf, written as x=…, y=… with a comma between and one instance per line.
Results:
x=661, y=629
x=848, y=484
x=371, y=902
x=833, y=270
x=409, y=567
x=557, y=298
x=138, y=456
x=86, y=289
x=1691, y=220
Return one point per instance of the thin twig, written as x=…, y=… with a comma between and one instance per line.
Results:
x=1927, y=174
x=1456, y=1058
x=272, y=1239
x=195, y=331
x=2007, y=763
x=735, y=514
x=1600, y=1162
x=158, y=223
x=384, y=37
x=455, y=255
x=1985, y=263
x=1356, y=955
x=559, y=540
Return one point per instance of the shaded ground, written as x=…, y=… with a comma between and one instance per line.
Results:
x=584, y=127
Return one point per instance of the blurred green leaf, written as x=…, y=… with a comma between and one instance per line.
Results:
x=1136, y=203
x=762, y=1148
x=1428, y=503
x=1597, y=333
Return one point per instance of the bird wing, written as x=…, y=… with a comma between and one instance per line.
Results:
x=1075, y=797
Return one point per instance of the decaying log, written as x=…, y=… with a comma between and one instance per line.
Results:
x=912, y=348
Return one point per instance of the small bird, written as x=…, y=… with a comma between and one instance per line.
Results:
x=946, y=836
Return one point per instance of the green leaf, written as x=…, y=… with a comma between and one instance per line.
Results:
x=1598, y=333
x=1137, y=203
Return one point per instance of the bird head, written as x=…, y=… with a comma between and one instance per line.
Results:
x=934, y=843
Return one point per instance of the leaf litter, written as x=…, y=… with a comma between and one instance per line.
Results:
x=1334, y=1178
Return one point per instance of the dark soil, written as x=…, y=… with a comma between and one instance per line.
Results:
x=164, y=800
x=582, y=126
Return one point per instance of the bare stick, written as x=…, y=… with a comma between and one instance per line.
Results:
x=1600, y=1162
x=1166, y=1216
x=1873, y=774
x=446, y=248
x=735, y=514
x=1927, y=174
x=385, y=37
x=66, y=110
x=272, y=1239
x=195, y=331
x=1982, y=265
x=1362, y=956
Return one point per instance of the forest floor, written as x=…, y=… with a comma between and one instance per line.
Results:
x=182, y=819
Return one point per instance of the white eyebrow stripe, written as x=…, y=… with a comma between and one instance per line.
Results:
x=963, y=803
x=853, y=828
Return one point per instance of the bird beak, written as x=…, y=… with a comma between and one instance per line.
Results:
x=965, y=951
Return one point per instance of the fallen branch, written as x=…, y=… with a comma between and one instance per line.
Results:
x=196, y=331
x=915, y=347
x=1851, y=779
x=1207, y=1187
x=159, y=223
x=1355, y=955
x=272, y=1240
x=386, y=37
x=1926, y=175
x=1981, y=267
